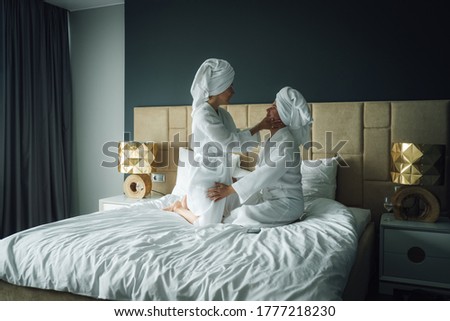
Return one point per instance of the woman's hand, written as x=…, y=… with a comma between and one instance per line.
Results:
x=271, y=123
x=267, y=123
x=220, y=191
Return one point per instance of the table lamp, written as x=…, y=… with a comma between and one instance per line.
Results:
x=136, y=158
x=413, y=165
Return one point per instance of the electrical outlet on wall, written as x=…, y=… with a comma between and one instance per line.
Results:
x=158, y=177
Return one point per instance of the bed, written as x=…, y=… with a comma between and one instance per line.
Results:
x=143, y=253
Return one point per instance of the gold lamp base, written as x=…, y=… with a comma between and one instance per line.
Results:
x=137, y=185
x=415, y=203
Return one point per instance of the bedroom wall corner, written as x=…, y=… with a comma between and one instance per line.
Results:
x=98, y=68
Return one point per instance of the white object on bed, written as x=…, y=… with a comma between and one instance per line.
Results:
x=143, y=253
x=362, y=218
x=319, y=178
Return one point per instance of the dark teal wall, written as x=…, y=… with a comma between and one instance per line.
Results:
x=2, y=76
x=2, y=65
x=329, y=50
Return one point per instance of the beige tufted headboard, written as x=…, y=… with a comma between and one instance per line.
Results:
x=360, y=132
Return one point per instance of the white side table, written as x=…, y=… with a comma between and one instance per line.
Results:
x=119, y=201
x=414, y=255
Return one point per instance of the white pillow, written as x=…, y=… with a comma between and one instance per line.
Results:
x=185, y=158
x=319, y=178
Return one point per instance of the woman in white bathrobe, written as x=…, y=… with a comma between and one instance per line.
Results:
x=272, y=194
x=214, y=138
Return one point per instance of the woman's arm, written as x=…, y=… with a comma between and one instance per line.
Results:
x=217, y=131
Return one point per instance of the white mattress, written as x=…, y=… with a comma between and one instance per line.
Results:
x=143, y=253
x=362, y=218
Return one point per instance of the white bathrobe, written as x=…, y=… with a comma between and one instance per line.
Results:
x=211, y=128
x=272, y=194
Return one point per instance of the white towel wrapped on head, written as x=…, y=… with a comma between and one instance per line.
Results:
x=212, y=78
x=294, y=113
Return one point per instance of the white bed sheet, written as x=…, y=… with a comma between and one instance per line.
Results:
x=143, y=253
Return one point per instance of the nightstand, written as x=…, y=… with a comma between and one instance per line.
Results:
x=414, y=255
x=119, y=201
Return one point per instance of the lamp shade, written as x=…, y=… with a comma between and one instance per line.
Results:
x=136, y=157
x=417, y=164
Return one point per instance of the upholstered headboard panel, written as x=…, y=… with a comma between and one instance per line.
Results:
x=360, y=132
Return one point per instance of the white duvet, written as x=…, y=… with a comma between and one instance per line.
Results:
x=143, y=253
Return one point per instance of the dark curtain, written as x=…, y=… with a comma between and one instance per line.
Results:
x=35, y=115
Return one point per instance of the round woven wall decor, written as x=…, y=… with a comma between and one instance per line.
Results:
x=137, y=185
x=405, y=196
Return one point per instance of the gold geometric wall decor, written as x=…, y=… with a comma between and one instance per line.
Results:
x=417, y=164
x=136, y=157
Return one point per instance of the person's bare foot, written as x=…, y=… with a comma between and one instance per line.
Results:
x=184, y=202
x=173, y=206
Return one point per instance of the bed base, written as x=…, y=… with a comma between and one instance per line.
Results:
x=11, y=292
x=361, y=273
